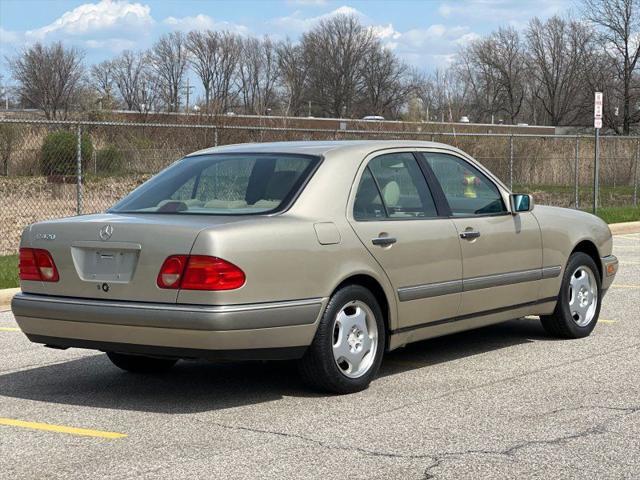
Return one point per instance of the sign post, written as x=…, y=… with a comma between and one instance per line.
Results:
x=597, y=124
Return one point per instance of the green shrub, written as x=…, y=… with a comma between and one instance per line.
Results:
x=59, y=153
x=109, y=160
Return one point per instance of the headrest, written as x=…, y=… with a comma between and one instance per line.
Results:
x=391, y=193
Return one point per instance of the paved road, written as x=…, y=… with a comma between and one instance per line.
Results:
x=502, y=402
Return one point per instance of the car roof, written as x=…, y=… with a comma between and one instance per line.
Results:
x=321, y=148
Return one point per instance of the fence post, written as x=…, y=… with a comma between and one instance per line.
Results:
x=79, y=170
x=511, y=162
x=215, y=136
x=635, y=175
x=577, y=177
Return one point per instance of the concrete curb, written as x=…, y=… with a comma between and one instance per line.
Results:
x=5, y=297
x=626, y=227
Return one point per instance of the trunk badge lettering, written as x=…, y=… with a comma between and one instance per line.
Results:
x=45, y=236
x=105, y=232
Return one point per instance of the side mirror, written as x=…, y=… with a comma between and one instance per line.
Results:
x=521, y=202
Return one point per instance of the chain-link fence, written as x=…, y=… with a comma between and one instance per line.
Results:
x=56, y=169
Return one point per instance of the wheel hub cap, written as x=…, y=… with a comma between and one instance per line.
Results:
x=355, y=339
x=583, y=296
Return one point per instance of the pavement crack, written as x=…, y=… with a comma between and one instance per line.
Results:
x=438, y=459
x=599, y=429
x=326, y=445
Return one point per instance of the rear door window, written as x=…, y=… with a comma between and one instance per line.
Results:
x=393, y=186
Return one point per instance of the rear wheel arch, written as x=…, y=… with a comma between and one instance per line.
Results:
x=371, y=284
x=589, y=248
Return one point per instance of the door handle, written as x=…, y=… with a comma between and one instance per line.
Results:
x=470, y=234
x=384, y=241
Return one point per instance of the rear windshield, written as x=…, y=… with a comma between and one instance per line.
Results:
x=222, y=184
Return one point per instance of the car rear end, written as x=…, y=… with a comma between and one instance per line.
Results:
x=158, y=274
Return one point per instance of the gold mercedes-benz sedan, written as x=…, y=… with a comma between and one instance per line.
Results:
x=328, y=252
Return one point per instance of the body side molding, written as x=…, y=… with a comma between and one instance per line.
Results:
x=476, y=283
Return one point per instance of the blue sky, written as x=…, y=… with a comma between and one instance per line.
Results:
x=426, y=33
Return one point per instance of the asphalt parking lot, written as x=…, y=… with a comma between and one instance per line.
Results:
x=502, y=402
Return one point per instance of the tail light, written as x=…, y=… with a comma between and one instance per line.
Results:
x=37, y=264
x=199, y=272
x=171, y=271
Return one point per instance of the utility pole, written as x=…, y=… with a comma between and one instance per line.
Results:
x=188, y=91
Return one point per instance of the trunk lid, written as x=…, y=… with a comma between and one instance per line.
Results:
x=116, y=256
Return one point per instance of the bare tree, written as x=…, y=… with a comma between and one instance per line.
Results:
x=494, y=71
x=203, y=47
x=385, y=83
x=294, y=75
x=148, y=95
x=603, y=77
x=481, y=81
x=442, y=97
x=214, y=57
x=560, y=52
x=48, y=77
x=506, y=56
x=619, y=28
x=169, y=57
x=128, y=70
x=102, y=80
x=224, y=92
x=335, y=50
x=257, y=73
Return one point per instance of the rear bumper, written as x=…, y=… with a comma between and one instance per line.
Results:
x=609, y=270
x=177, y=330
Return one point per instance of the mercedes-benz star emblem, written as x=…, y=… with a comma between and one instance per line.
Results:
x=105, y=232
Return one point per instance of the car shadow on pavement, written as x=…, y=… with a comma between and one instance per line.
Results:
x=198, y=386
x=463, y=344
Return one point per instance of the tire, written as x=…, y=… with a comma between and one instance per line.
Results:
x=574, y=320
x=337, y=361
x=141, y=364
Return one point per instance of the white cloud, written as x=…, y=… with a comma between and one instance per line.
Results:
x=106, y=15
x=202, y=22
x=199, y=22
x=297, y=23
x=467, y=38
x=385, y=32
x=435, y=45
